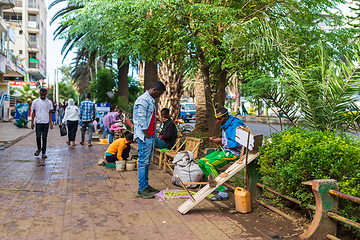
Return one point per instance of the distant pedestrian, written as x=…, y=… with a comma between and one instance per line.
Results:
x=72, y=118
x=60, y=112
x=87, y=116
x=41, y=113
x=145, y=132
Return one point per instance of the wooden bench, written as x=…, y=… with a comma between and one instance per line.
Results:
x=158, y=153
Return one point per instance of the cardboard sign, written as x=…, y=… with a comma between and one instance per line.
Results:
x=242, y=135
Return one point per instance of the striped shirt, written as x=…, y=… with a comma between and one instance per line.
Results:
x=87, y=110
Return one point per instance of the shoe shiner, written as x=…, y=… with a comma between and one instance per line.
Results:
x=120, y=148
x=144, y=117
x=230, y=151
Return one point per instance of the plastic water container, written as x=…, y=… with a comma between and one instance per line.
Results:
x=242, y=200
x=120, y=165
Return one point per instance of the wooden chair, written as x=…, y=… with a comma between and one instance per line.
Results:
x=158, y=153
x=191, y=144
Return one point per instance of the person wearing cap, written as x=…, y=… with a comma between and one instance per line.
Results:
x=144, y=117
x=229, y=152
x=42, y=114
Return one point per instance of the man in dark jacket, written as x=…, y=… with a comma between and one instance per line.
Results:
x=169, y=132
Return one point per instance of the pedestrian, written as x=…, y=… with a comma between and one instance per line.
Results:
x=230, y=151
x=168, y=134
x=108, y=120
x=42, y=109
x=60, y=112
x=145, y=130
x=120, y=148
x=87, y=116
x=71, y=118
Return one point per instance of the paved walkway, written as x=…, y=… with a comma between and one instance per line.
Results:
x=68, y=196
x=9, y=132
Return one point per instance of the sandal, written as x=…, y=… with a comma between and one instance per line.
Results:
x=74, y=144
x=68, y=142
x=81, y=143
x=90, y=145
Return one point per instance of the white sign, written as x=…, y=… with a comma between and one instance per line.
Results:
x=242, y=136
x=11, y=35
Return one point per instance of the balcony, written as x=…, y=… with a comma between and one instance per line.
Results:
x=7, y=4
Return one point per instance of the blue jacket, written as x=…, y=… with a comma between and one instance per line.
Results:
x=229, y=133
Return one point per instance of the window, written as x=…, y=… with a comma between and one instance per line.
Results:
x=20, y=52
x=32, y=17
x=18, y=3
x=20, y=32
x=32, y=4
x=32, y=55
x=13, y=16
x=32, y=37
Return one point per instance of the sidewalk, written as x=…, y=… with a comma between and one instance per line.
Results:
x=9, y=133
x=76, y=199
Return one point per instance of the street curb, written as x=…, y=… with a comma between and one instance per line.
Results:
x=264, y=120
x=9, y=144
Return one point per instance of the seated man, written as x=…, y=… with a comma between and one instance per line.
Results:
x=229, y=153
x=21, y=123
x=168, y=134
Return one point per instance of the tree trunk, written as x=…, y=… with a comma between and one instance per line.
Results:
x=173, y=79
x=221, y=94
x=123, y=80
x=201, y=120
x=151, y=74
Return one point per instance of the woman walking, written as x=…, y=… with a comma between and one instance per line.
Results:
x=71, y=117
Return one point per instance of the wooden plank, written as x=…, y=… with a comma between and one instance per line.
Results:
x=196, y=183
x=206, y=190
x=183, y=185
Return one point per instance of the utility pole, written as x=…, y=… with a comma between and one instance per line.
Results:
x=54, y=90
x=57, y=85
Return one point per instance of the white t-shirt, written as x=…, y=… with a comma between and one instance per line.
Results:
x=42, y=109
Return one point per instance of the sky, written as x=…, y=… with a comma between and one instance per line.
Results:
x=53, y=48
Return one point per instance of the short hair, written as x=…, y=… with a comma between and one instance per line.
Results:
x=43, y=90
x=165, y=110
x=87, y=95
x=120, y=110
x=129, y=136
x=221, y=111
x=158, y=85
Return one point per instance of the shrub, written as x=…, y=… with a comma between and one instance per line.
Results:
x=298, y=155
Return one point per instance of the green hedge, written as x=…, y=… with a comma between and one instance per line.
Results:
x=298, y=155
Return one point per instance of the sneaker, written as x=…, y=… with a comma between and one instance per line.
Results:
x=152, y=190
x=145, y=194
x=220, y=197
x=37, y=152
x=44, y=156
x=216, y=191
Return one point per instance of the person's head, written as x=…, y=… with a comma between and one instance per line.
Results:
x=97, y=119
x=43, y=93
x=87, y=95
x=71, y=102
x=157, y=88
x=23, y=116
x=165, y=113
x=221, y=115
x=60, y=105
x=119, y=111
x=129, y=137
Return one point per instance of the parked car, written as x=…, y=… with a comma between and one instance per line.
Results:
x=187, y=111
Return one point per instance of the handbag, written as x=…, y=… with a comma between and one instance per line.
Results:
x=63, y=131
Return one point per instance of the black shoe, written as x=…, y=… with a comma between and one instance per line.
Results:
x=145, y=194
x=151, y=189
x=37, y=152
x=44, y=156
x=81, y=143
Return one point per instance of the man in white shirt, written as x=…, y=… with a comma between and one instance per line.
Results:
x=42, y=113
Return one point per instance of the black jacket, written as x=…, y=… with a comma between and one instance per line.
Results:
x=169, y=133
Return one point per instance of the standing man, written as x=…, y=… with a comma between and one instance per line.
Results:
x=42, y=110
x=145, y=128
x=168, y=134
x=87, y=116
x=229, y=153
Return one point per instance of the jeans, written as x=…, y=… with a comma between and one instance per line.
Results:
x=85, y=124
x=105, y=131
x=41, y=130
x=159, y=143
x=146, y=150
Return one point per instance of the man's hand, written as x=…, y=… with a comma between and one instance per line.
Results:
x=51, y=125
x=32, y=126
x=215, y=140
x=211, y=139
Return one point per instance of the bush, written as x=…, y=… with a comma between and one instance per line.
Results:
x=298, y=155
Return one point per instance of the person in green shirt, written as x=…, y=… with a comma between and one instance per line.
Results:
x=21, y=123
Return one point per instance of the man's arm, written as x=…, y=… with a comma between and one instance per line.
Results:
x=215, y=140
x=121, y=148
x=50, y=117
x=81, y=110
x=32, y=119
x=142, y=120
x=93, y=113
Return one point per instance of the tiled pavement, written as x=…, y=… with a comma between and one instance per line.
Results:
x=73, y=198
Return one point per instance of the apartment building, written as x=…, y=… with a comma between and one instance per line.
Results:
x=28, y=20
